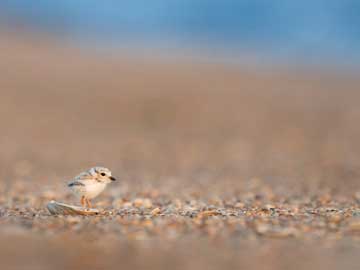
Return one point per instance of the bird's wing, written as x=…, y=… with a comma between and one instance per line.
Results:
x=76, y=183
x=80, y=180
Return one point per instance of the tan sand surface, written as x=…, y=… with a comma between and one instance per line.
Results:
x=220, y=166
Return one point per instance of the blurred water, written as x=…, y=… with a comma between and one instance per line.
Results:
x=299, y=29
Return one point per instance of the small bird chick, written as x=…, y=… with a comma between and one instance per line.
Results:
x=90, y=184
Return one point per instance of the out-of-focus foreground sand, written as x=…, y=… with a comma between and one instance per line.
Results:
x=180, y=128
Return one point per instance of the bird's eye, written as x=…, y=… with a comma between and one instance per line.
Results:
x=103, y=174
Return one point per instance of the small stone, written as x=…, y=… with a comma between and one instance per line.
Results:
x=239, y=205
x=208, y=213
x=156, y=211
x=147, y=203
x=138, y=202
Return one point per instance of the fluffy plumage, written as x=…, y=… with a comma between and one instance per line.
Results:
x=89, y=184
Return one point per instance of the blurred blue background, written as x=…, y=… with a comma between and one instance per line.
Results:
x=307, y=30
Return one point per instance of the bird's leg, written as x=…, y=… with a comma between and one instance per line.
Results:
x=88, y=203
x=83, y=201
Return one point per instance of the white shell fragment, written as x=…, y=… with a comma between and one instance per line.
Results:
x=56, y=208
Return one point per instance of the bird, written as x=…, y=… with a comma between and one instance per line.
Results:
x=89, y=184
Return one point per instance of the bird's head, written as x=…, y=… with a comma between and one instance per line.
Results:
x=102, y=174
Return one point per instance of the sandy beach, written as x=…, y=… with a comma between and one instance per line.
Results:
x=220, y=166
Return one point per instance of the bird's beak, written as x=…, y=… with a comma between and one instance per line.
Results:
x=112, y=178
